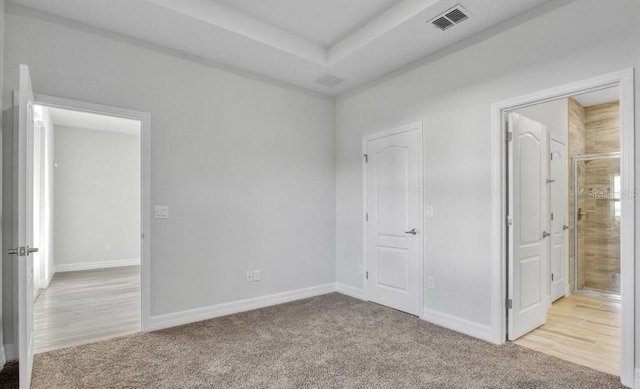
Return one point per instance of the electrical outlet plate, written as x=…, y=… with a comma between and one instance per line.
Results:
x=431, y=283
x=256, y=275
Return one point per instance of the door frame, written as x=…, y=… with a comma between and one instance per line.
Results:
x=365, y=140
x=145, y=200
x=623, y=79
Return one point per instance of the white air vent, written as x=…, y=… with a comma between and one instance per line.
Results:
x=329, y=80
x=450, y=18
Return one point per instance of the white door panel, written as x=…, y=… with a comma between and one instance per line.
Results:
x=23, y=224
x=529, y=208
x=559, y=223
x=394, y=207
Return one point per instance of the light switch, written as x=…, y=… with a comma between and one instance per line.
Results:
x=429, y=211
x=162, y=212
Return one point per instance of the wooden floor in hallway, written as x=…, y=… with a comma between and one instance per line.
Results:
x=86, y=306
x=580, y=329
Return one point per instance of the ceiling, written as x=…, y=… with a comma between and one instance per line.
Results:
x=295, y=41
x=598, y=97
x=92, y=121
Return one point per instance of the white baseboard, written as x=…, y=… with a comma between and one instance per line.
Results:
x=350, y=291
x=9, y=353
x=193, y=315
x=457, y=324
x=67, y=267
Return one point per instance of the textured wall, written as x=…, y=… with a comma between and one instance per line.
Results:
x=577, y=146
x=602, y=224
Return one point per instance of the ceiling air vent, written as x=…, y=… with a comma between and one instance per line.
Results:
x=329, y=80
x=450, y=18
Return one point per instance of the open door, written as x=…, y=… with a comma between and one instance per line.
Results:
x=23, y=220
x=559, y=223
x=529, y=216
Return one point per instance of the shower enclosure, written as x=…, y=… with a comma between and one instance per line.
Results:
x=595, y=208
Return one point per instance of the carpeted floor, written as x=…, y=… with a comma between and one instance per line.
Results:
x=331, y=341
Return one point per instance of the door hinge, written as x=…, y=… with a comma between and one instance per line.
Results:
x=509, y=134
x=367, y=275
x=551, y=216
x=366, y=158
x=550, y=181
x=551, y=276
x=366, y=217
x=509, y=303
x=509, y=220
x=552, y=156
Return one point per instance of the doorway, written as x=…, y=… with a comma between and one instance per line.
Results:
x=87, y=226
x=611, y=187
x=393, y=211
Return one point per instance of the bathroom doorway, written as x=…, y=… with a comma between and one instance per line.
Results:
x=587, y=318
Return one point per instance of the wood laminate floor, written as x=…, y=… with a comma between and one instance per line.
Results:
x=581, y=329
x=86, y=306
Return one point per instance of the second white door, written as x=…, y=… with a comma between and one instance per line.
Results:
x=559, y=225
x=394, y=219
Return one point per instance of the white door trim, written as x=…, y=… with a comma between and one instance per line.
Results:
x=382, y=134
x=145, y=155
x=625, y=80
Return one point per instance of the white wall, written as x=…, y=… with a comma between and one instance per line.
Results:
x=97, y=198
x=245, y=165
x=2, y=215
x=452, y=93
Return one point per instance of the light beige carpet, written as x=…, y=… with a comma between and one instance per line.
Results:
x=330, y=341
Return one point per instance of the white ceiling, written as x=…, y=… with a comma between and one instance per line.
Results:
x=599, y=97
x=323, y=23
x=93, y=121
x=295, y=41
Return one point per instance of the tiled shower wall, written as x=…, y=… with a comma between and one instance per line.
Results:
x=599, y=227
x=577, y=146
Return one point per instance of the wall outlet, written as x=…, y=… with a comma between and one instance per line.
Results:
x=360, y=269
x=256, y=275
x=249, y=276
x=431, y=282
x=162, y=212
x=429, y=211
x=107, y=247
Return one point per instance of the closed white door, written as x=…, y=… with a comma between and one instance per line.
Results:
x=394, y=225
x=529, y=230
x=23, y=222
x=559, y=224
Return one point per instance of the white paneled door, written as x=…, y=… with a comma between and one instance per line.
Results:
x=528, y=172
x=559, y=224
x=394, y=219
x=23, y=223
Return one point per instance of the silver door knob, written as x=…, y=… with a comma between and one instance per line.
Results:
x=32, y=250
x=13, y=251
x=565, y=227
x=545, y=234
x=412, y=232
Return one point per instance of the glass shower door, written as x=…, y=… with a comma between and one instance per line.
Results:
x=596, y=215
